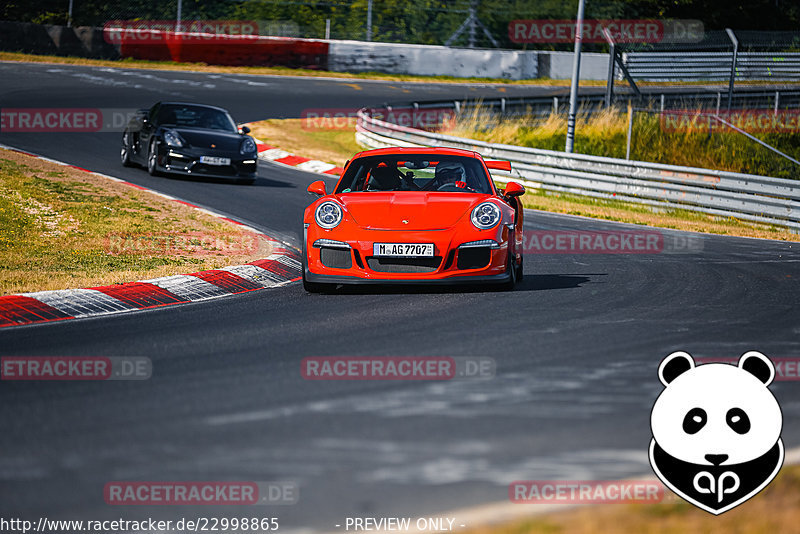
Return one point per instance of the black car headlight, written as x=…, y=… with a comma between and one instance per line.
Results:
x=248, y=146
x=174, y=139
x=328, y=215
x=485, y=215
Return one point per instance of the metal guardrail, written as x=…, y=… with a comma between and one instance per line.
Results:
x=745, y=196
x=700, y=65
x=659, y=99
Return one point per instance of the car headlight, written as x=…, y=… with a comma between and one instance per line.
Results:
x=173, y=138
x=485, y=215
x=248, y=146
x=328, y=215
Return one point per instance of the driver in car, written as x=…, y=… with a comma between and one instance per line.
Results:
x=450, y=173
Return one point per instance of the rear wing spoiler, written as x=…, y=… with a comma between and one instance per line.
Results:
x=498, y=165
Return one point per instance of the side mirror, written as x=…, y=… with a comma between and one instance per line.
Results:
x=244, y=130
x=513, y=189
x=317, y=188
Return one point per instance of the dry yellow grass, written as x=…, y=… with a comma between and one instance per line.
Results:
x=775, y=510
x=57, y=223
x=299, y=137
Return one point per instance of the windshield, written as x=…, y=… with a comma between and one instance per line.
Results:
x=415, y=172
x=196, y=117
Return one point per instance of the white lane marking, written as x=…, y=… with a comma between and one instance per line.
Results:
x=155, y=78
x=103, y=80
x=246, y=82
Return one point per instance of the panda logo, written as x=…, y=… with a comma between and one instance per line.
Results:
x=716, y=430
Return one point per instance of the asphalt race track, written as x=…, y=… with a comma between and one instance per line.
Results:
x=576, y=347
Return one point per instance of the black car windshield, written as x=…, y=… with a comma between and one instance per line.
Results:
x=195, y=117
x=415, y=172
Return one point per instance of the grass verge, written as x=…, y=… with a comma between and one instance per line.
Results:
x=64, y=228
x=330, y=145
x=776, y=509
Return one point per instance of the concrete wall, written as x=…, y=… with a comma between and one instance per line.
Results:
x=359, y=56
x=558, y=65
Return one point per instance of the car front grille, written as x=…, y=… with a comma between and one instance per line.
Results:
x=474, y=257
x=336, y=258
x=218, y=170
x=404, y=265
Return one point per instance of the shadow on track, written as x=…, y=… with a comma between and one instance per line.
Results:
x=260, y=181
x=540, y=282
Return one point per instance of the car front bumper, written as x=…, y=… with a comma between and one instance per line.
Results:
x=188, y=164
x=353, y=262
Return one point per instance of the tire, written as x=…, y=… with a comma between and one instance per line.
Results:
x=152, y=158
x=512, y=269
x=520, y=270
x=125, y=153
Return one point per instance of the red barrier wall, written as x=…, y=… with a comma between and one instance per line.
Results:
x=229, y=50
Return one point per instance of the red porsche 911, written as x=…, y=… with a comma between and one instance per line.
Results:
x=414, y=215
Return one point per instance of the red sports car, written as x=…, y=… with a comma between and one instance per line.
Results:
x=414, y=215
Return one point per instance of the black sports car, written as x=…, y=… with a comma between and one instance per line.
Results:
x=189, y=139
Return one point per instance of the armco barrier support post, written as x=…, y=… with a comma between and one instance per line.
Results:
x=179, y=15
x=610, y=82
x=735, y=42
x=576, y=73
x=612, y=58
x=630, y=131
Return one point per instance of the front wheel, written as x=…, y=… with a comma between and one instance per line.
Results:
x=125, y=153
x=152, y=160
x=512, y=270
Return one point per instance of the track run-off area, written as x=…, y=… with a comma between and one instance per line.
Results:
x=576, y=345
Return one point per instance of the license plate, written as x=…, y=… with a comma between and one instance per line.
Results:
x=408, y=250
x=213, y=160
